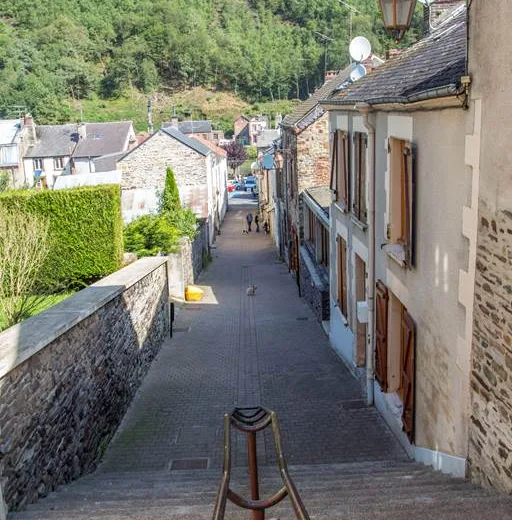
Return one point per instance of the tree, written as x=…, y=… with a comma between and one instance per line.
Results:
x=236, y=155
x=170, y=197
x=24, y=245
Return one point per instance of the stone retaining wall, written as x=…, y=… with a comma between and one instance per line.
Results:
x=68, y=375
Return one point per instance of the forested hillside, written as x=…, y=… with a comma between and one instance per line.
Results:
x=55, y=51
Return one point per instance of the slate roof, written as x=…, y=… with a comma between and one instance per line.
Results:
x=54, y=141
x=309, y=104
x=187, y=141
x=61, y=140
x=103, y=138
x=108, y=163
x=193, y=127
x=9, y=129
x=434, y=64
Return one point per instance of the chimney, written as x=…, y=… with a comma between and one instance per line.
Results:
x=174, y=121
x=28, y=123
x=330, y=74
x=391, y=53
x=82, y=132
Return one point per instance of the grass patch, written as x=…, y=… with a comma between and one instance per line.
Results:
x=39, y=304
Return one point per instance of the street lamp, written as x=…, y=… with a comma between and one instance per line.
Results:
x=397, y=15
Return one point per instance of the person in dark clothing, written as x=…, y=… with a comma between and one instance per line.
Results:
x=266, y=227
x=248, y=218
x=257, y=222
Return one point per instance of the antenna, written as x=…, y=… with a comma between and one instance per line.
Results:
x=360, y=49
x=326, y=40
x=358, y=71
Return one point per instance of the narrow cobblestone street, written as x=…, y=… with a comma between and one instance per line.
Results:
x=234, y=349
x=243, y=350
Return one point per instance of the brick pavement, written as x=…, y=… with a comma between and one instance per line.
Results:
x=268, y=350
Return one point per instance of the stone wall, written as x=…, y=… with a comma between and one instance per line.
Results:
x=491, y=383
x=490, y=446
x=314, y=283
x=68, y=375
x=185, y=266
x=145, y=166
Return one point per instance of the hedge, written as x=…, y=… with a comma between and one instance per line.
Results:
x=86, y=231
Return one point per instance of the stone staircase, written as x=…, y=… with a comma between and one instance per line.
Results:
x=383, y=490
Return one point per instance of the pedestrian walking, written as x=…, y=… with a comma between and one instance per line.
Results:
x=249, y=221
x=257, y=222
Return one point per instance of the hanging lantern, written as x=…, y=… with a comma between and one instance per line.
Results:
x=397, y=15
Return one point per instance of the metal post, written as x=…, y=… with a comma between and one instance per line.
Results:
x=253, y=473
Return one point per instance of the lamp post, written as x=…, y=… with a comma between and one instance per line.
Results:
x=397, y=15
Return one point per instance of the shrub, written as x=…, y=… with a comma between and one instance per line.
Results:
x=150, y=235
x=24, y=245
x=183, y=219
x=85, y=229
x=4, y=181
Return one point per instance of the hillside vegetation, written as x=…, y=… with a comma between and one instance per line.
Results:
x=54, y=53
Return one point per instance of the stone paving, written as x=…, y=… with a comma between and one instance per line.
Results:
x=235, y=349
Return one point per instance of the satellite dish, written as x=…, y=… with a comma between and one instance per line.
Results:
x=358, y=71
x=427, y=2
x=360, y=48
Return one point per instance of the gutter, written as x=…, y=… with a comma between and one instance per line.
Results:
x=364, y=109
x=438, y=92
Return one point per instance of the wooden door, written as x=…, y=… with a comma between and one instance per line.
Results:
x=408, y=341
x=360, y=327
x=381, y=335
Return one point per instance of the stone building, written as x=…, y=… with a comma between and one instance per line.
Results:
x=489, y=223
x=305, y=163
x=200, y=172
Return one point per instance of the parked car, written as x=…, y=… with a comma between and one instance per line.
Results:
x=250, y=184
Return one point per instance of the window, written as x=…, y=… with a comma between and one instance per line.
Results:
x=311, y=230
x=342, y=276
x=359, y=208
x=401, y=194
x=324, y=246
x=58, y=163
x=395, y=352
x=339, y=168
x=38, y=164
x=360, y=286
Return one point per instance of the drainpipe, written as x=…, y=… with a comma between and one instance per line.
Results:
x=364, y=109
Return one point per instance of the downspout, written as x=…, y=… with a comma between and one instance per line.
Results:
x=364, y=109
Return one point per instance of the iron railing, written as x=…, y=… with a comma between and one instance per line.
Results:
x=251, y=421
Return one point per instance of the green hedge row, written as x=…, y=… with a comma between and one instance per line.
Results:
x=86, y=230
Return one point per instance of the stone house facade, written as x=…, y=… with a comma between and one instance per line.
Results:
x=196, y=169
x=305, y=164
x=490, y=224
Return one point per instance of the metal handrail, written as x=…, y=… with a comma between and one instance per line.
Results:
x=250, y=421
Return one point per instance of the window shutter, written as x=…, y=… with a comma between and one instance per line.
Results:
x=356, y=206
x=408, y=202
x=334, y=148
x=342, y=275
x=342, y=185
x=362, y=179
x=408, y=341
x=381, y=335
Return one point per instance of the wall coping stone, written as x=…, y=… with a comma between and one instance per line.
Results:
x=21, y=341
